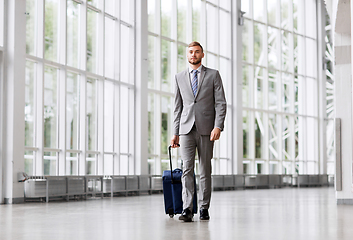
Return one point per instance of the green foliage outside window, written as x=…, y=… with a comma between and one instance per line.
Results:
x=51, y=30
x=30, y=26
x=164, y=135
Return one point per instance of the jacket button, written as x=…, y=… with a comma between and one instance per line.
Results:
x=194, y=101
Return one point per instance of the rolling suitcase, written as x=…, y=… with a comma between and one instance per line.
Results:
x=172, y=190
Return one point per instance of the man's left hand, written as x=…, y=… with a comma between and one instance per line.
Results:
x=215, y=134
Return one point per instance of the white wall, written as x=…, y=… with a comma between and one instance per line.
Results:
x=343, y=92
x=14, y=91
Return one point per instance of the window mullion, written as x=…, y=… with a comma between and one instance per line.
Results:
x=158, y=131
x=83, y=132
x=100, y=43
x=189, y=20
x=62, y=32
x=39, y=129
x=83, y=37
x=116, y=158
x=62, y=122
x=100, y=126
x=203, y=27
x=265, y=120
x=100, y=92
x=131, y=140
x=251, y=125
x=2, y=20
x=39, y=48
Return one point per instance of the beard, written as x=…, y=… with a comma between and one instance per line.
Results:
x=195, y=62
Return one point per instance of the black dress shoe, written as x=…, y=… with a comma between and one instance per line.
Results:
x=204, y=214
x=186, y=215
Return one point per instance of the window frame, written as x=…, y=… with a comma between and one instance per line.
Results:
x=281, y=111
x=63, y=154
x=158, y=159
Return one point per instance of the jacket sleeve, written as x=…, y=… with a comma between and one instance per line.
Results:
x=178, y=108
x=220, y=102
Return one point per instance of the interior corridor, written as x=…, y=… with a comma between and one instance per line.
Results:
x=288, y=213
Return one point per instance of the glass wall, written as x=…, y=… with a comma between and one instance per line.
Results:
x=330, y=98
x=71, y=70
x=80, y=84
x=172, y=25
x=280, y=88
x=2, y=20
x=30, y=115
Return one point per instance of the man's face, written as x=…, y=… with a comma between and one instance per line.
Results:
x=195, y=55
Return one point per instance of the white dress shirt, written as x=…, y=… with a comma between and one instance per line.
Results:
x=198, y=75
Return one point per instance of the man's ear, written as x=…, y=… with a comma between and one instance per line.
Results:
x=203, y=54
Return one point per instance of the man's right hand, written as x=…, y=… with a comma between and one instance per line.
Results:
x=174, y=143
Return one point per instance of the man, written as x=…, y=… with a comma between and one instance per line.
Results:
x=200, y=110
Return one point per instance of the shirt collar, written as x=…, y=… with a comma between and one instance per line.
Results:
x=198, y=69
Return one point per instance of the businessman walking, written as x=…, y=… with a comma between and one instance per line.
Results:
x=200, y=110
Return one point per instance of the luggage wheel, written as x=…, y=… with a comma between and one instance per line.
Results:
x=171, y=212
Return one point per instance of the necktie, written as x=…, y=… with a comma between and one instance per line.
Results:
x=194, y=81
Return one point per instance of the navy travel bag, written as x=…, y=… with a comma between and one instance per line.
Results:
x=172, y=190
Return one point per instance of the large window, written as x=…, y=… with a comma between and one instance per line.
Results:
x=172, y=25
x=71, y=70
x=72, y=123
x=80, y=83
x=280, y=87
x=2, y=20
x=72, y=33
x=30, y=115
x=330, y=111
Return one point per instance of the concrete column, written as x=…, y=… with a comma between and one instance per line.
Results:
x=14, y=100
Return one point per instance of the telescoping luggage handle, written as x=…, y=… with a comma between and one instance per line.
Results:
x=170, y=160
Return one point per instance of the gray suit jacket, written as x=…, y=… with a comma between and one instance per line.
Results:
x=207, y=109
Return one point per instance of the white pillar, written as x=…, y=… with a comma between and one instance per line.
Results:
x=61, y=165
x=141, y=94
x=343, y=92
x=14, y=101
x=322, y=87
x=83, y=90
x=2, y=19
x=1, y=121
x=237, y=111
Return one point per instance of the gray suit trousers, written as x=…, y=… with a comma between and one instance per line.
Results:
x=188, y=145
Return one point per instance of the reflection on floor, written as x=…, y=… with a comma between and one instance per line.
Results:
x=288, y=213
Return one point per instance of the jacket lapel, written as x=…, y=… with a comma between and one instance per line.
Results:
x=188, y=81
x=202, y=77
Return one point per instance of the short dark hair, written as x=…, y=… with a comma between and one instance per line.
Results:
x=193, y=44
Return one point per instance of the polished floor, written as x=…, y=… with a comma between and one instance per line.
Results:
x=288, y=213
